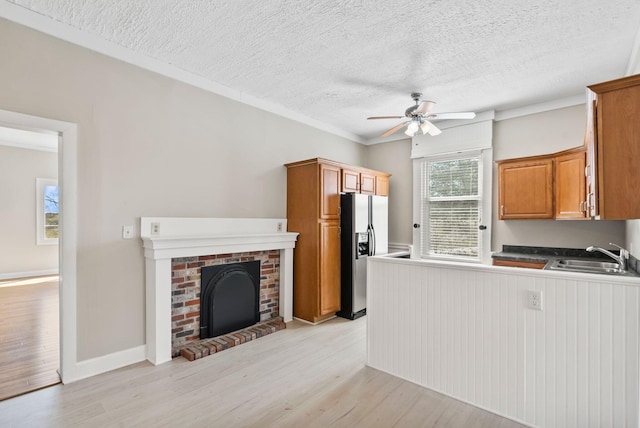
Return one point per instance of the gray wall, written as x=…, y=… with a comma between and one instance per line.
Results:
x=535, y=134
x=19, y=169
x=148, y=146
x=395, y=159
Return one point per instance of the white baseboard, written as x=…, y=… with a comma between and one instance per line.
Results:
x=15, y=275
x=106, y=363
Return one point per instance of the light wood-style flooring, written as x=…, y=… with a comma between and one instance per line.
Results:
x=29, y=337
x=304, y=376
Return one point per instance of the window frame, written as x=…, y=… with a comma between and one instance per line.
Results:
x=485, y=169
x=41, y=239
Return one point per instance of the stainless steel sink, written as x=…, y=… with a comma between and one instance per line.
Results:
x=588, y=266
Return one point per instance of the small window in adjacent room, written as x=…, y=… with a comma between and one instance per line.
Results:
x=47, y=214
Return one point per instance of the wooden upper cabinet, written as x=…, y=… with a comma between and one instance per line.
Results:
x=350, y=181
x=544, y=187
x=570, y=194
x=614, y=144
x=365, y=181
x=525, y=188
x=382, y=185
x=591, y=168
x=329, y=191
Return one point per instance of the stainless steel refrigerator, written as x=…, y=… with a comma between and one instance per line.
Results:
x=364, y=233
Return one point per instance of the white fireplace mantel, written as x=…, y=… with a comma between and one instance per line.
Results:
x=165, y=238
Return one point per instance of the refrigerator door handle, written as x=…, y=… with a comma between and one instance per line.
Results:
x=368, y=241
x=373, y=247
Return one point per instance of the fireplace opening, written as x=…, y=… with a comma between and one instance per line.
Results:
x=229, y=298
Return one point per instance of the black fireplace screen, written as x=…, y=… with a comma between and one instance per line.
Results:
x=229, y=298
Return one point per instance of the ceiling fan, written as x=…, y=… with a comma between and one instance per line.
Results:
x=419, y=115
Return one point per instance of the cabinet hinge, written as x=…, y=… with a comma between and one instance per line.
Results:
x=339, y=230
x=339, y=210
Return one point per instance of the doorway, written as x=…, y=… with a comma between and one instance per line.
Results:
x=67, y=181
x=29, y=261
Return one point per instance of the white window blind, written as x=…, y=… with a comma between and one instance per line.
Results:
x=451, y=206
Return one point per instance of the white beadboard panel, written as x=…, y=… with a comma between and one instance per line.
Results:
x=468, y=333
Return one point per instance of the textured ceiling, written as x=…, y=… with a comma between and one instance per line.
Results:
x=338, y=62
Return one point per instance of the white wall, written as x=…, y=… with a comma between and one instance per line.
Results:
x=467, y=332
x=148, y=146
x=394, y=158
x=19, y=253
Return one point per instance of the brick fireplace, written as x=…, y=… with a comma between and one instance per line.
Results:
x=186, y=288
x=175, y=249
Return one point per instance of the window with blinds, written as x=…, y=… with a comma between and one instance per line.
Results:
x=451, y=207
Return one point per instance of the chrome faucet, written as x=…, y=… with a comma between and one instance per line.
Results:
x=622, y=259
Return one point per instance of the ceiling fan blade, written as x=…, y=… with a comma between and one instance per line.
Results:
x=459, y=115
x=424, y=107
x=433, y=130
x=395, y=128
x=385, y=117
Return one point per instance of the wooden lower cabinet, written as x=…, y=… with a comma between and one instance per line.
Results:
x=329, y=293
x=519, y=263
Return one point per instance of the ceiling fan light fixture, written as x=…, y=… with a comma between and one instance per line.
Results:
x=417, y=118
x=425, y=127
x=412, y=128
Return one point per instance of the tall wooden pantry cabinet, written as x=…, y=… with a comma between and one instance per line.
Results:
x=313, y=211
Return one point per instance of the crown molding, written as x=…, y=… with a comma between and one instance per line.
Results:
x=43, y=24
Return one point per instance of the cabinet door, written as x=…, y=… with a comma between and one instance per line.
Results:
x=526, y=189
x=570, y=186
x=367, y=183
x=519, y=264
x=350, y=181
x=329, y=298
x=382, y=185
x=591, y=167
x=618, y=153
x=329, y=192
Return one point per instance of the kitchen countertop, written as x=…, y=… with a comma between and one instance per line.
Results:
x=544, y=254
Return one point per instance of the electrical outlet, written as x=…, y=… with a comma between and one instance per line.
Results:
x=127, y=232
x=534, y=299
x=279, y=226
x=155, y=228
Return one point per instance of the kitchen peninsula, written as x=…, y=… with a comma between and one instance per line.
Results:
x=466, y=330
